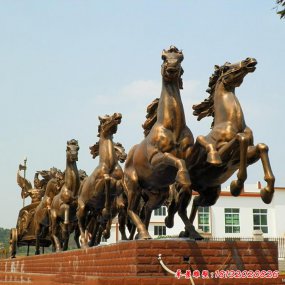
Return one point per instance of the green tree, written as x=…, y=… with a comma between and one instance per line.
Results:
x=281, y=8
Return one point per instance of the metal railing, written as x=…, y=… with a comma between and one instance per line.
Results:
x=279, y=240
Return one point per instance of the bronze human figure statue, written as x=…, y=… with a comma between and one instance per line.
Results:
x=100, y=189
x=229, y=145
x=36, y=193
x=64, y=204
x=42, y=212
x=158, y=161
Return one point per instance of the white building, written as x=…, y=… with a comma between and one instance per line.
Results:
x=229, y=217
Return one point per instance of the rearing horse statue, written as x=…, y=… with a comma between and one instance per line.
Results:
x=63, y=207
x=100, y=189
x=158, y=161
x=229, y=145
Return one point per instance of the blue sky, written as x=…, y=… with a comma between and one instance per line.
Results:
x=63, y=63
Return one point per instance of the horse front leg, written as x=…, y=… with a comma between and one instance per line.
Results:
x=213, y=156
x=261, y=151
x=122, y=215
x=134, y=195
x=94, y=234
x=81, y=214
x=37, y=234
x=237, y=185
x=106, y=212
x=165, y=158
x=183, y=202
x=172, y=206
x=206, y=199
x=66, y=225
x=54, y=231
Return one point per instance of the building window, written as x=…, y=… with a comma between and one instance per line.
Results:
x=260, y=220
x=159, y=230
x=204, y=219
x=160, y=211
x=232, y=220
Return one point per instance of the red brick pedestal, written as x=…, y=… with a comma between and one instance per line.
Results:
x=136, y=262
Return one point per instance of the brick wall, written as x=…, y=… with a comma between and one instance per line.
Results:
x=137, y=260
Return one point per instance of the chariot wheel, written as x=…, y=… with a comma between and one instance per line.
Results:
x=13, y=242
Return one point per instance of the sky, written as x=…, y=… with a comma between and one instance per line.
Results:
x=64, y=63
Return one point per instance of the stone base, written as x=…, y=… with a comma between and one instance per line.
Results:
x=136, y=262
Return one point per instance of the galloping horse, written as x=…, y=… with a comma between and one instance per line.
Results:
x=63, y=207
x=41, y=217
x=229, y=145
x=158, y=161
x=100, y=189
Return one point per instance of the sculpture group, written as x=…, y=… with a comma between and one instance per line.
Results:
x=166, y=166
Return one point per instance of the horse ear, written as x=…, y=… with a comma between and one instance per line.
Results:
x=100, y=118
x=163, y=55
x=217, y=67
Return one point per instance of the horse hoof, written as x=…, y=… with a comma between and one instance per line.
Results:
x=83, y=243
x=214, y=158
x=169, y=222
x=144, y=235
x=183, y=234
x=236, y=188
x=106, y=234
x=266, y=195
x=195, y=235
x=183, y=178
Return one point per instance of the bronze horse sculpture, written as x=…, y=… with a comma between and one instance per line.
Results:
x=55, y=180
x=229, y=145
x=97, y=226
x=100, y=189
x=63, y=207
x=159, y=160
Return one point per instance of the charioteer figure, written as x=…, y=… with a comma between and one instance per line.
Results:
x=35, y=193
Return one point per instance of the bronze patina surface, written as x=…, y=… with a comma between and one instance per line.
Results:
x=100, y=190
x=158, y=161
x=229, y=145
x=64, y=204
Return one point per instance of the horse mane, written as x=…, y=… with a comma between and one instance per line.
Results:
x=151, y=116
x=119, y=150
x=94, y=150
x=206, y=108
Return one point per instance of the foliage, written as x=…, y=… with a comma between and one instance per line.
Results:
x=167, y=236
x=281, y=5
x=4, y=236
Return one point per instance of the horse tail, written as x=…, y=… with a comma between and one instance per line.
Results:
x=151, y=116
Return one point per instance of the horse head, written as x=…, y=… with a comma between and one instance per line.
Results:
x=72, y=150
x=120, y=152
x=232, y=75
x=109, y=124
x=171, y=69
